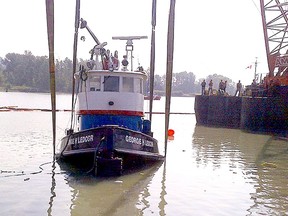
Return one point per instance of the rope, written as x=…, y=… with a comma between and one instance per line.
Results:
x=22, y=173
x=95, y=154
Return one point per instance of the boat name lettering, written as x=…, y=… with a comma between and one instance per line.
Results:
x=148, y=143
x=83, y=139
x=133, y=140
x=88, y=138
x=138, y=141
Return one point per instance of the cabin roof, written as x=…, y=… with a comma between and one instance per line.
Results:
x=118, y=73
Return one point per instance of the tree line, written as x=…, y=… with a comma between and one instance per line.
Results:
x=26, y=72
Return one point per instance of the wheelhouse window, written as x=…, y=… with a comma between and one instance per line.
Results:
x=139, y=86
x=111, y=83
x=95, y=83
x=128, y=84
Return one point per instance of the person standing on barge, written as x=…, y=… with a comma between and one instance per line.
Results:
x=203, y=84
x=210, y=87
x=238, y=88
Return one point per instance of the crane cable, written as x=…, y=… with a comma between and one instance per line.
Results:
x=256, y=6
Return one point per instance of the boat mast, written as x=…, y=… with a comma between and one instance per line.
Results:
x=75, y=45
x=152, y=59
x=255, y=73
x=129, y=45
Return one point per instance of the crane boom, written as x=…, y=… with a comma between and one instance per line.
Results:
x=275, y=29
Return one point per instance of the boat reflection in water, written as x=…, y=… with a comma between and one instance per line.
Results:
x=226, y=170
x=259, y=160
x=124, y=195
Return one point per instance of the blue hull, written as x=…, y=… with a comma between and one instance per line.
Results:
x=109, y=146
x=93, y=121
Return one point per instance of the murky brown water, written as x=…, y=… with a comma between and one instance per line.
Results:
x=208, y=171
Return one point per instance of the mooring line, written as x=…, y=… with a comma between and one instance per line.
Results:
x=8, y=109
x=23, y=173
x=175, y=113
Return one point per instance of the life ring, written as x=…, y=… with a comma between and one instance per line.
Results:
x=125, y=62
x=214, y=92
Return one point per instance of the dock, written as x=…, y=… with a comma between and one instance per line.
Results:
x=252, y=114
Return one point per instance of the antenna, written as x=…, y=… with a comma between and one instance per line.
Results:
x=129, y=44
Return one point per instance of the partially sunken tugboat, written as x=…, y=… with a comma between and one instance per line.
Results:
x=110, y=133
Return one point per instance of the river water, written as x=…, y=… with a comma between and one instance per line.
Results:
x=207, y=171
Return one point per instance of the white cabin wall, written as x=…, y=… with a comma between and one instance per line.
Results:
x=100, y=101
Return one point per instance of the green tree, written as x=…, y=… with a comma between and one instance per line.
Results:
x=27, y=71
x=64, y=75
x=2, y=77
x=32, y=72
x=41, y=79
x=184, y=82
x=159, y=82
x=216, y=78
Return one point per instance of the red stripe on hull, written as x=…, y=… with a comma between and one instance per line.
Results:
x=110, y=112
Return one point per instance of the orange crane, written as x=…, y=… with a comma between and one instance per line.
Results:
x=275, y=27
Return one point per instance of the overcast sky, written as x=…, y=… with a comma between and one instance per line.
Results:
x=223, y=36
